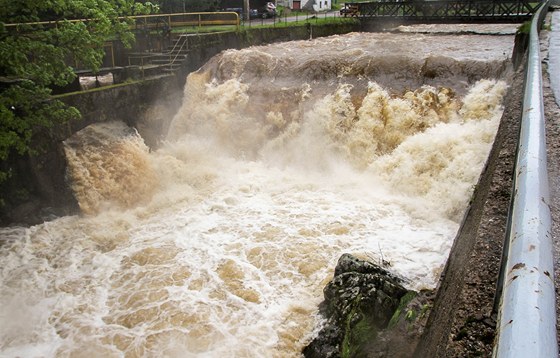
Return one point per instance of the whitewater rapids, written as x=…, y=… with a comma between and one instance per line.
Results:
x=282, y=157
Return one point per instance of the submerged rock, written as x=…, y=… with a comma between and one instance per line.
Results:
x=361, y=301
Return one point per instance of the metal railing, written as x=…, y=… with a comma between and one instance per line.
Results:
x=156, y=21
x=196, y=19
x=527, y=316
x=446, y=10
x=175, y=52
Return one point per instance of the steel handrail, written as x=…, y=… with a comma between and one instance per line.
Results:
x=178, y=52
x=527, y=316
x=172, y=51
x=235, y=16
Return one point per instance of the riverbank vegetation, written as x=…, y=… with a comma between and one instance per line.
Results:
x=41, y=44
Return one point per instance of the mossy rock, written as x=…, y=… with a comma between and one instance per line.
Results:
x=360, y=330
x=359, y=303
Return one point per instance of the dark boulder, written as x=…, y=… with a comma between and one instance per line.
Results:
x=359, y=302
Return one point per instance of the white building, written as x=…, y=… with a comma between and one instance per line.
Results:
x=311, y=5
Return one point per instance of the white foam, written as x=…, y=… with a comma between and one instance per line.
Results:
x=243, y=219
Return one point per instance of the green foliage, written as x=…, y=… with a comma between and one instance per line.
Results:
x=174, y=6
x=525, y=28
x=409, y=315
x=24, y=106
x=425, y=309
x=39, y=43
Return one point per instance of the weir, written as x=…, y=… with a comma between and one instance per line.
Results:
x=282, y=158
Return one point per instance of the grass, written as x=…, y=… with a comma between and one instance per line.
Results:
x=312, y=20
x=525, y=28
x=202, y=29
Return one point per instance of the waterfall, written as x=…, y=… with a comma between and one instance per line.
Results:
x=281, y=158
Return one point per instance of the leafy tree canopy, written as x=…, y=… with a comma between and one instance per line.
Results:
x=173, y=6
x=35, y=55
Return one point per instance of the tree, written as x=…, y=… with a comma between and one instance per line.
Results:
x=38, y=42
x=173, y=6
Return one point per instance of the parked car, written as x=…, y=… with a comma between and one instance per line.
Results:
x=349, y=10
x=253, y=13
x=265, y=12
x=238, y=10
x=269, y=10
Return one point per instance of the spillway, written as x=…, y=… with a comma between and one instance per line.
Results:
x=282, y=157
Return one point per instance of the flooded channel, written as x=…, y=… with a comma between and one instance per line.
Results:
x=281, y=158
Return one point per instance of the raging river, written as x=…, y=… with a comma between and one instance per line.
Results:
x=218, y=243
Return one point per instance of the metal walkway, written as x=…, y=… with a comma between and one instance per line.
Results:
x=444, y=11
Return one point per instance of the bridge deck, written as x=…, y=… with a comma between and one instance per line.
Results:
x=445, y=10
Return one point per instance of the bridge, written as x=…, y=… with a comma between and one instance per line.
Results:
x=444, y=11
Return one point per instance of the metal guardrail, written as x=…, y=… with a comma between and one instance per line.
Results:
x=527, y=316
x=157, y=20
x=197, y=19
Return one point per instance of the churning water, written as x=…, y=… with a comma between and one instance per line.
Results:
x=282, y=157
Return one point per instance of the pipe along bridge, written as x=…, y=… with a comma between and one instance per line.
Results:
x=443, y=11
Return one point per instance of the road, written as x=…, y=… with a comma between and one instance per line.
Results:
x=299, y=18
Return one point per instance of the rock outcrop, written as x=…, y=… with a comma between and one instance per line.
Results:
x=368, y=311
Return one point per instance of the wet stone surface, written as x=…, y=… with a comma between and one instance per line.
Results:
x=360, y=302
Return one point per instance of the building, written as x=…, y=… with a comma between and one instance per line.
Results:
x=310, y=5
